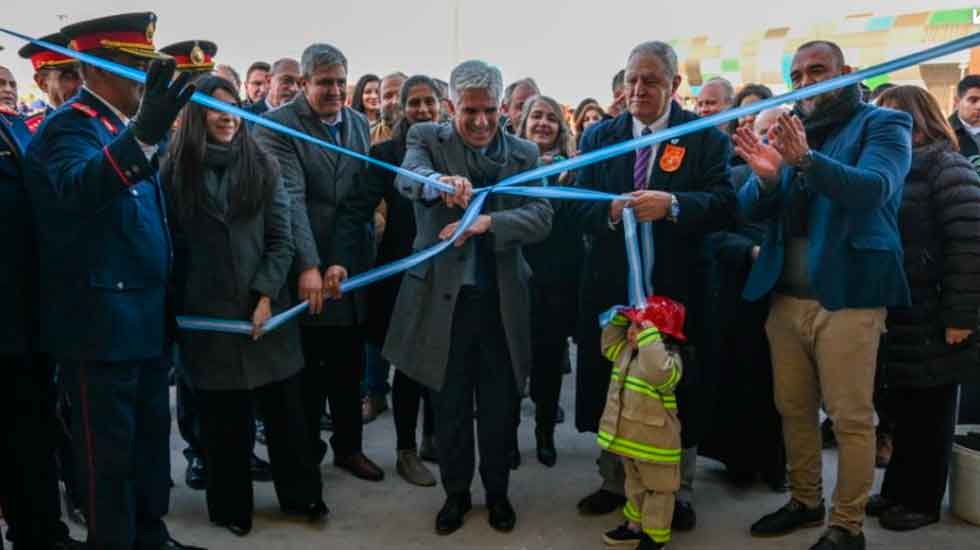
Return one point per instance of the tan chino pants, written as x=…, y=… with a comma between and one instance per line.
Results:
x=829, y=356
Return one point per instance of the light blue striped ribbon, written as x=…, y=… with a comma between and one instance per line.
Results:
x=509, y=185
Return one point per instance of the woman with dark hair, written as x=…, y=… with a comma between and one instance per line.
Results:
x=367, y=98
x=585, y=116
x=230, y=224
x=931, y=347
x=555, y=263
x=749, y=94
x=419, y=98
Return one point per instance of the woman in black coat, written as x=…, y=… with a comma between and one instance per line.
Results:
x=230, y=224
x=419, y=99
x=930, y=347
x=555, y=263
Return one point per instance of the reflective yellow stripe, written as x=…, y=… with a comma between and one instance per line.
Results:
x=658, y=535
x=630, y=513
x=612, y=352
x=675, y=377
x=638, y=451
x=648, y=336
x=619, y=320
x=641, y=386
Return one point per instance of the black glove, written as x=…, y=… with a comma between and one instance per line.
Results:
x=162, y=101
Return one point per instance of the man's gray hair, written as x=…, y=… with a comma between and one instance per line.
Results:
x=281, y=64
x=396, y=74
x=529, y=82
x=475, y=75
x=661, y=50
x=725, y=85
x=320, y=55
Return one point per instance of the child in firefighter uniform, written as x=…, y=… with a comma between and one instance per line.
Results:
x=640, y=422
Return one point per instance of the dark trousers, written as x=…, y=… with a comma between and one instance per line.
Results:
x=226, y=424
x=188, y=418
x=923, y=441
x=121, y=430
x=479, y=363
x=406, y=397
x=28, y=437
x=334, y=366
x=552, y=322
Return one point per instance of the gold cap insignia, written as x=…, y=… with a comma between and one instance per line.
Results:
x=197, y=55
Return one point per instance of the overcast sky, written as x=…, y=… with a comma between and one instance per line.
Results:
x=572, y=48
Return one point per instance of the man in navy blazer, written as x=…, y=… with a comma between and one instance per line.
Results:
x=681, y=186
x=830, y=178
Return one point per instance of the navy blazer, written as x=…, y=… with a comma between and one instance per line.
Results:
x=18, y=271
x=855, y=249
x=104, y=244
x=703, y=187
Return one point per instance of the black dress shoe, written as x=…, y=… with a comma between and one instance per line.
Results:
x=196, y=476
x=900, y=518
x=67, y=543
x=450, y=517
x=877, y=505
x=649, y=544
x=501, y=514
x=837, y=538
x=684, y=518
x=313, y=513
x=261, y=470
x=600, y=503
x=171, y=544
x=794, y=515
x=360, y=466
x=237, y=529
x=545, y=436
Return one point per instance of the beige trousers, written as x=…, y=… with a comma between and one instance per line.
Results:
x=828, y=356
x=650, y=490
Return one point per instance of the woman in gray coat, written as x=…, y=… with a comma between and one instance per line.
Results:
x=229, y=219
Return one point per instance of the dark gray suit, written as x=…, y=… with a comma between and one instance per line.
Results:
x=318, y=180
x=460, y=338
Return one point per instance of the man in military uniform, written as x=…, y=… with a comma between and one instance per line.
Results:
x=105, y=256
x=54, y=73
x=193, y=56
x=28, y=476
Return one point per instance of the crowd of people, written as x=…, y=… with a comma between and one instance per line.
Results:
x=819, y=256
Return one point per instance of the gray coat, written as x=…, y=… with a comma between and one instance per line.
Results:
x=317, y=181
x=221, y=268
x=419, y=336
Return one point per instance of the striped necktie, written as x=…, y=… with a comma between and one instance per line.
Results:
x=642, y=165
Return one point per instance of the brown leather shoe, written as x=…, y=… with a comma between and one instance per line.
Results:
x=360, y=466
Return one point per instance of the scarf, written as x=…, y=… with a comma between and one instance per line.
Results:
x=485, y=167
x=221, y=168
x=829, y=117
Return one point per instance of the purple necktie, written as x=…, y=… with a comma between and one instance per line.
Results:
x=641, y=165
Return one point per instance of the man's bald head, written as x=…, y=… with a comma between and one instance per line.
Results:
x=8, y=88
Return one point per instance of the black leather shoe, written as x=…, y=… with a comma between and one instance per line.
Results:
x=684, y=517
x=900, y=518
x=261, y=470
x=649, y=544
x=67, y=543
x=237, y=529
x=837, y=538
x=545, y=437
x=171, y=544
x=313, y=513
x=622, y=537
x=360, y=466
x=600, y=503
x=877, y=505
x=196, y=476
x=794, y=515
x=501, y=514
x=450, y=517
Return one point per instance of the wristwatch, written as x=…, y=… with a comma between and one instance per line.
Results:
x=805, y=161
x=675, y=209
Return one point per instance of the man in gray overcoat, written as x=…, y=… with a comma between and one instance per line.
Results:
x=318, y=180
x=461, y=322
